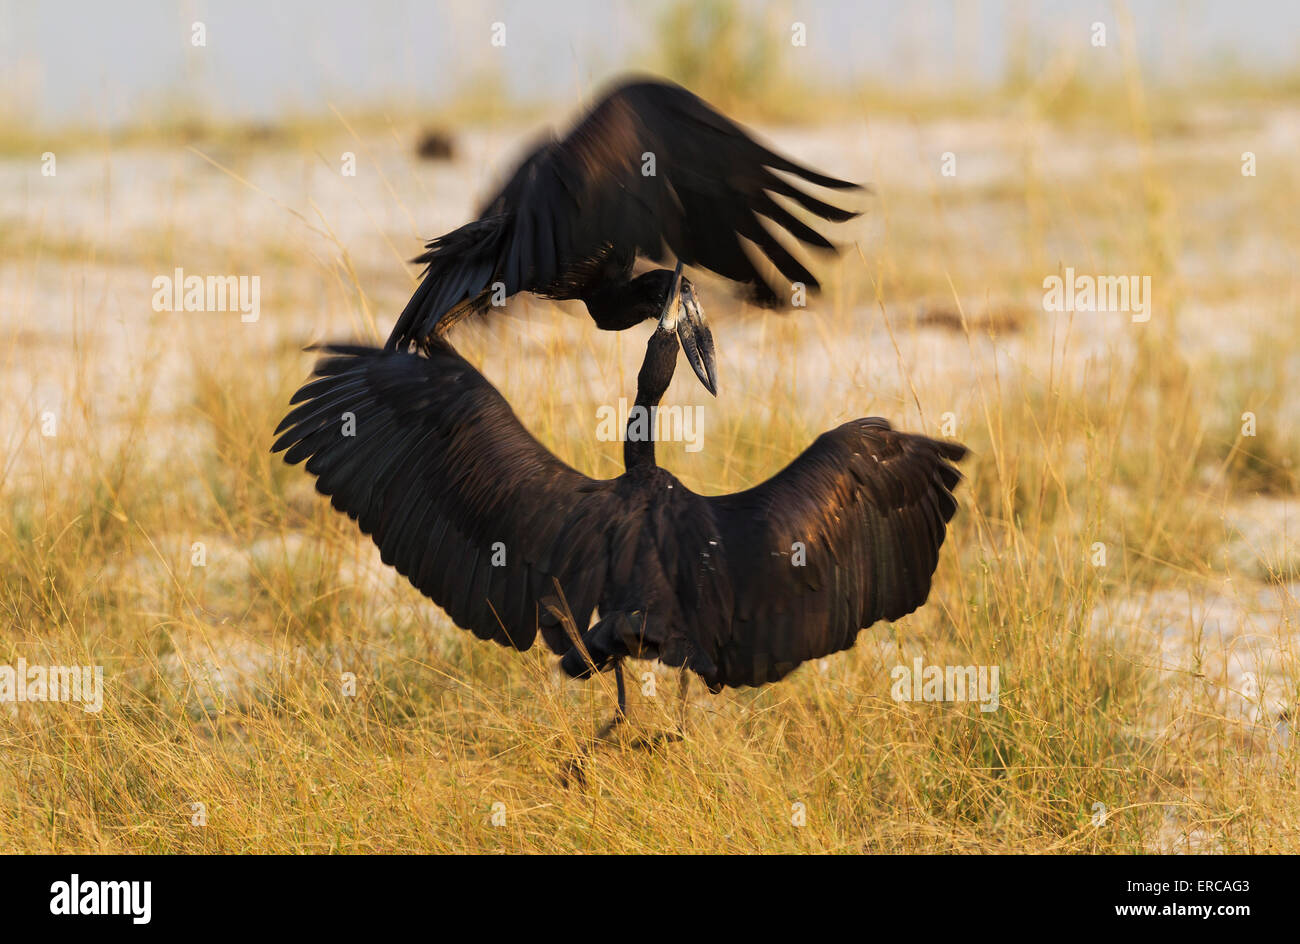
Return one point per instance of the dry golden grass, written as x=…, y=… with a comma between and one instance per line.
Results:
x=224, y=680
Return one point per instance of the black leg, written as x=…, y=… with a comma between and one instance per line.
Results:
x=622, y=690
x=684, y=683
x=575, y=770
x=620, y=714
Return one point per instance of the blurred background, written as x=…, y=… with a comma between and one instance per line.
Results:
x=103, y=67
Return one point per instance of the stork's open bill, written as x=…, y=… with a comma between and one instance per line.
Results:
x=682, y=311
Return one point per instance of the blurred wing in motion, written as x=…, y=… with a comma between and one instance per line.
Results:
x=847, y=534
x=651, y=165
x=457, y=495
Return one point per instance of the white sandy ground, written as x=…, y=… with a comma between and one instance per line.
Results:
x=98, y=233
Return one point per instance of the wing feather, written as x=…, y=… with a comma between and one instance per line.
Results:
x=870, y=507
x=442, y=475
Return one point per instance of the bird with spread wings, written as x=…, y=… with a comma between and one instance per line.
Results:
x=651, y=171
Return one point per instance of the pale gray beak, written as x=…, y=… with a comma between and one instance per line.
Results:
x=692, y=330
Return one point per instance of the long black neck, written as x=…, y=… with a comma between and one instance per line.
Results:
x=651, y=382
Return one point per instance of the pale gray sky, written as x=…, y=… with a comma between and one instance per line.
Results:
x=111, y=61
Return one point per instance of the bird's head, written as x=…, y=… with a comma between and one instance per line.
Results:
x=682, y=313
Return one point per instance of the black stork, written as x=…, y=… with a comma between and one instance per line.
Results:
x=650, y=170
x=739, y=588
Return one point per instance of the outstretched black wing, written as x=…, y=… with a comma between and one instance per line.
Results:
x=847, y=534
x=651, y=165
x=432, y=463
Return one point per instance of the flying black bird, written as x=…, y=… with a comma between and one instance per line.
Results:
x=739, y=588
x=649, y=168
